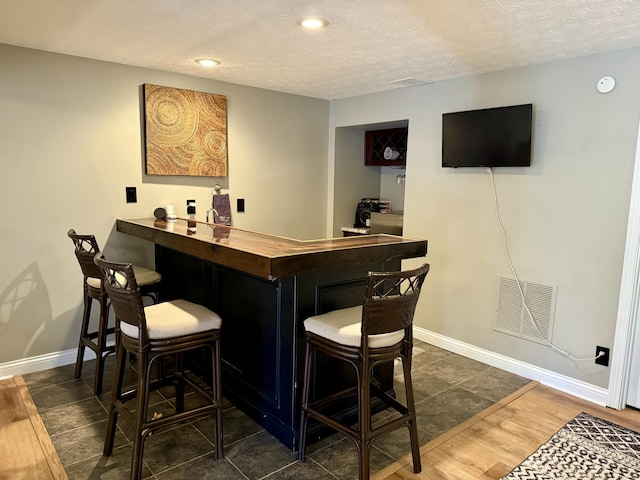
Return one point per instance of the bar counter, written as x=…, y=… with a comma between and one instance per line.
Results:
x=269, y=256
x=264, y=287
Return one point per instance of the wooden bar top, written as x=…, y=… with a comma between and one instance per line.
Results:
x=270, y=256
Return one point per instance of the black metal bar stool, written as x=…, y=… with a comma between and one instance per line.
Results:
x=86, y=247
x=379, y=331
x=151, y=333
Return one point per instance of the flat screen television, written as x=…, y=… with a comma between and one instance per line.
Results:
x=491, y=137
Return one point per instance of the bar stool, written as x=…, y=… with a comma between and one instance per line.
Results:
x=86, y=247
x=379, y=331
x=151, y=333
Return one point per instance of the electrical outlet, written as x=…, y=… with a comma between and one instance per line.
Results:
x=240, y=205
x=604, y=359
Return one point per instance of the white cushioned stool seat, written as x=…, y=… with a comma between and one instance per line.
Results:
x=174, y=319
x=144, y=277
x=344, y=326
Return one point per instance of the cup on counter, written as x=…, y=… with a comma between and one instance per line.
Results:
x=171, y=213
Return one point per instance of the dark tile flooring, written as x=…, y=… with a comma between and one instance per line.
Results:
x=448, y=388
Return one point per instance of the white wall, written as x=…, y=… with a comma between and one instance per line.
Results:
x=70, y=143
x=390, y=189
x=565, y=216
x=352, y=180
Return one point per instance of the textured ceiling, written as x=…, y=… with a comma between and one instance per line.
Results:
x=368, y=45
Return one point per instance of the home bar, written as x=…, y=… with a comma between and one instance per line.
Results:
x=264, y=286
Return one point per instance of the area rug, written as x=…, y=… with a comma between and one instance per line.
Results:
x=587, y=447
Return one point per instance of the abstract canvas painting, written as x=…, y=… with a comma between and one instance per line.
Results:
x=185, y=132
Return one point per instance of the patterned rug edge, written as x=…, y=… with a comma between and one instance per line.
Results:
x=587, y=447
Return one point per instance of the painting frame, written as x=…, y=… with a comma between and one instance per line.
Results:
x=185, y=132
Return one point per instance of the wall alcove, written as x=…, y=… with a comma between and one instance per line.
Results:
x=354, y=179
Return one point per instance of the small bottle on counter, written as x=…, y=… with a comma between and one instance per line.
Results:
x=191, y=215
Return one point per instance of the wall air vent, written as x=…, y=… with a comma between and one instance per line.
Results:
x=513, y=319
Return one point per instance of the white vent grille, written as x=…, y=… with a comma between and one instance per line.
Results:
x=512, y=318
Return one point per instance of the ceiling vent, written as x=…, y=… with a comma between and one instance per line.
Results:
x=512, y=317
x=409, y=82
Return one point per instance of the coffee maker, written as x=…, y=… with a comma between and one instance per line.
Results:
x=363, y=212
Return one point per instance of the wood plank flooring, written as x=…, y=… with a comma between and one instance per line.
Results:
x=489, y=445
x=25, y=447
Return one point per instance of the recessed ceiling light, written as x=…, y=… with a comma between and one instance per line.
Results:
x=207, y=62
x=313, y=22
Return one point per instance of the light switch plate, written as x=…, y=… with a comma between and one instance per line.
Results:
x=132, y=196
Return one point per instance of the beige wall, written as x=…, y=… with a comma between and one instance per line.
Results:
x=70, y=144
x=565, y=216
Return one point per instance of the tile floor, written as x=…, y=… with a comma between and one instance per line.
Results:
x=448, y=388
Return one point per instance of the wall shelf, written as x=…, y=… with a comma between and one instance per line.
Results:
x=376, y=141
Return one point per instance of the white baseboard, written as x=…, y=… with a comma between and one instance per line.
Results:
x=41, y=362
x=586, y=391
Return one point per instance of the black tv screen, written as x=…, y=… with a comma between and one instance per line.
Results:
x=491, y=137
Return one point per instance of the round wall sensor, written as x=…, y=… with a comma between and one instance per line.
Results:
x=606, y=84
